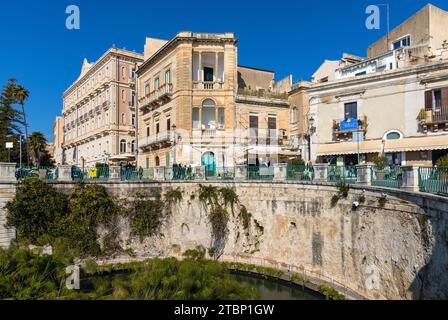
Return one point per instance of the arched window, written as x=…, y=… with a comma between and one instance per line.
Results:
x=123, y=146
x=123, y=118
x=133, y=146
x=208, y=114
x=157, y=161
x=393, y=135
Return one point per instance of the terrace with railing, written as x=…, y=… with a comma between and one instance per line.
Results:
x=157, y=97
x=430, y=179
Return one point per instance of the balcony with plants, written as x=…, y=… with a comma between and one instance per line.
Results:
x=433, y=120
x=344, y=129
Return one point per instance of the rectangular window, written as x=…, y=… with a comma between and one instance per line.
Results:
x=147, y=89
x=133, y=120
x=221, y=118
x=208, y=74
x=195, y=115
x=133, y=98
x=437, y=99
x=132, y=73
x=147, y=131
x=156, y=84
x=253, y=128
x=404, y=42
x=168, y=81
x=168, y=124
x=157, y=128
x=351, y=110
x=147, y=163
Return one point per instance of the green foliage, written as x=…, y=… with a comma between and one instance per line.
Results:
x=442, y=162
x=25, y=275
x=217, y=200
x=331, y=293
x=41, y=215
x=35, y=210
x=343, y=189
x=362, y=199
x=297, y=162
x=334, y=200
x=173, y=196
x=382, y=201
x=196, y=254
x=146, y=215
x=381, y=162
x=245, y=217
x=39, y=154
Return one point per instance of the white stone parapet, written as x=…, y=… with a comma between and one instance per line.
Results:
x=7, y=172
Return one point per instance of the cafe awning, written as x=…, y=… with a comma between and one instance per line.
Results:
x=417, y=144
x=345, y=148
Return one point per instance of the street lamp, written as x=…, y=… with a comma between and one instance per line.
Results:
x=175, y=141
x=308, y=136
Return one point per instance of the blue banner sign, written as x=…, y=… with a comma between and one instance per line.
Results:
x=349, y=124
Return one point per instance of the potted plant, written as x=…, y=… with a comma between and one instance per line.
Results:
x=381, y=163
x=298, y=167
x=442, y=164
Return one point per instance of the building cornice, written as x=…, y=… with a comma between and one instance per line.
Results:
x=180, y=38
x=388, y=75
x=109, y=54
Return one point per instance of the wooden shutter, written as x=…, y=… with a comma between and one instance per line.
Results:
x=444, y=106
x=428, y=100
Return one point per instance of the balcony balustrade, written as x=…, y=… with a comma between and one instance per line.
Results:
x=157, y=97
x=433, y=119
x=208, y=85
x=344, y=129
x=157, y=140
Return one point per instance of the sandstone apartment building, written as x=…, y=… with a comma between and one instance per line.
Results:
x=198, y=107
x=395, y=101
x=99, y=111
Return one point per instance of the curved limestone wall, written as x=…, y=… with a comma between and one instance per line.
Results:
x=399, y=251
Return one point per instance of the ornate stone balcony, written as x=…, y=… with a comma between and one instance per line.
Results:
x=157, y=141
x=208, y=85
x=157, y=98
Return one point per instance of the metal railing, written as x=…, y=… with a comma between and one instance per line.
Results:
x=390, y=177
x=300, y=173
x=342, y=173
x=260, y=173
x=433, y=180
x=223, y=174
x=42, y=172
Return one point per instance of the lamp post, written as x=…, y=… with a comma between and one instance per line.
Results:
x=310, y=133
x=174, y=144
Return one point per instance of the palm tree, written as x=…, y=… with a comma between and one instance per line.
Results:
x=37, y=143
x=21, y=94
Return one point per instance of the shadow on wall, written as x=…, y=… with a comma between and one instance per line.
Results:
x=434, y=233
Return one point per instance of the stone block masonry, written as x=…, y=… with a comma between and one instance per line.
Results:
x=7, y=191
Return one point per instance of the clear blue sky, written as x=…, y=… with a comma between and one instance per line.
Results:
x=287, y=36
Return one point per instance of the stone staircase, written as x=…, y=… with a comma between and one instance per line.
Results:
x=7, y=192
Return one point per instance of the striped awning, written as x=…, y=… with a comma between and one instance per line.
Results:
x=345, y=148
x=438, y=142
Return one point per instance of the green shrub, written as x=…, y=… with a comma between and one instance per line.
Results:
x=382, y=201
x=297, y=162
x=381, y=162
x=35, y=209
x=343, y=188
x=442, y=162
x=334, y=200
x=331, y=293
